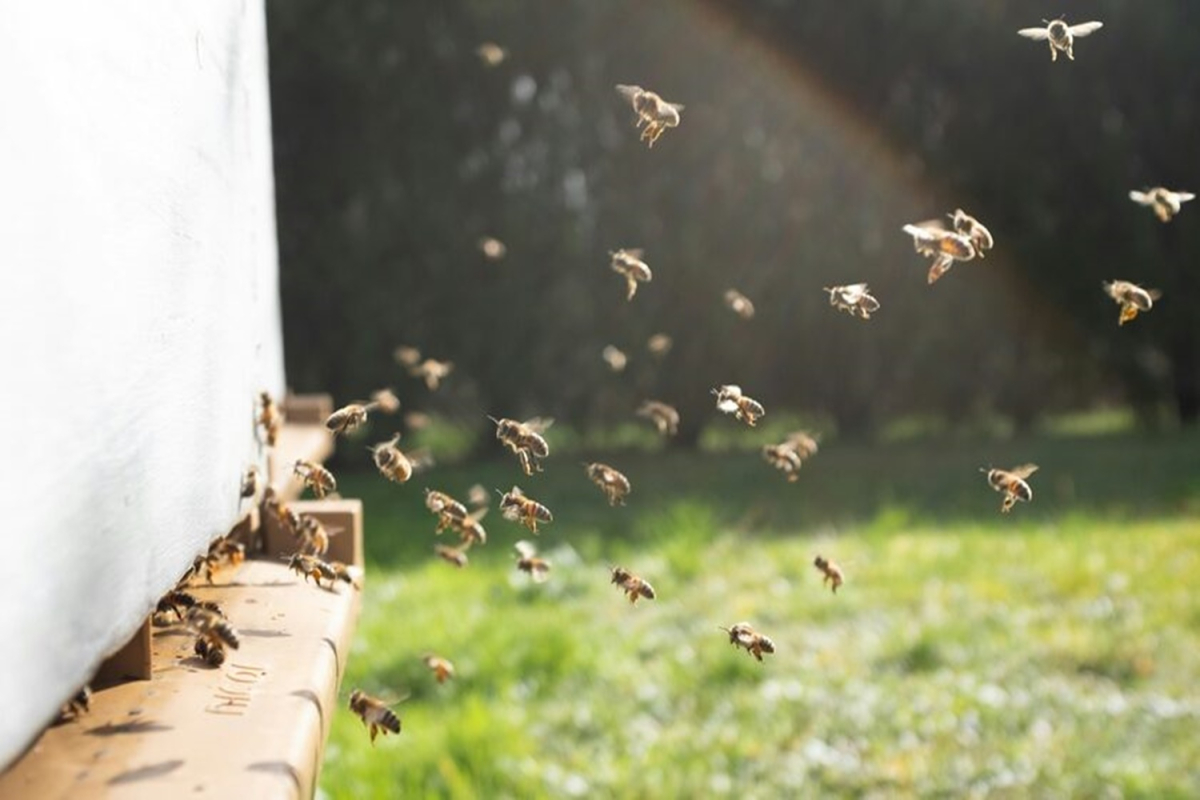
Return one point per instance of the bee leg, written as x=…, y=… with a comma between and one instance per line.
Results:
x=1053, y=51
x=374, y=730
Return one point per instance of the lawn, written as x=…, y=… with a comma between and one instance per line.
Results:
x=1051, y=652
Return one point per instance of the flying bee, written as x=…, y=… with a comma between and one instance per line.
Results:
x=417, y=420
x=1165, y=203
x=391, y=461
x=855, y=299
x=79, y=704
x=374, y=713
x=664, y=417
x=1131, y=298
x=743, y=634
x=944, y=246
x=628, y=263
x=614, y=485
x=470, y=529
x=529, y=562
x=492, y=248
x=803, y=443
x=315, y=536
x=386, y=401
x=615, y=359
x=453, y=555
x=730, y=400
x=659, y=345
x=1060, y=35
x=491, y=54
x=652, y=111
x=477, y=495
x=213, y=634
x=784, y=458
x=739, y=304
x=407, y=356
x=1012, y=483
x=526, y=440
x=348, y=418
x=345, y=573
x=831, y=573
x=966, y=225
x=315, y=477
x=518, y=507
x=270, y=418
x=633, y=586
x=441, y=668
x=318, y=570
x=445, y=507
x=432, y=371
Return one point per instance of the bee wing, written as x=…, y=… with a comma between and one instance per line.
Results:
x=1085, y=28
x=539, y=424
x=525, y=549
x=1023, y=471
x=1183, y=197
x=629, y=91
x=478, y=514
x=1140, y=197
x=1155, y=294
x=676, y=106
x=727, y=406
x=1037, y=34
x=634, y=252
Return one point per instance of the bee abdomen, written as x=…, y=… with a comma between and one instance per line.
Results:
x=388, y=719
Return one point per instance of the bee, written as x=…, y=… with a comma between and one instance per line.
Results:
x=784, y=458
x=79, y=704
x=944, y=246
x=529, y=562
x=469, y=528
x=1131, y=298
x=441, y=668
x=492, y=248
x=270, y=418
x=407, y=356
x=855, y=299
x=227, y=550
x=318, y=570
x=659, y=345
x=315, y=477
x=314, y=536
x=652, y=111
x=615, y=359
x=1060, y=35
x=348, y=418
x=391, y=461
x=288, y=519
x=517, y=507
x=177, y=601
x=526, y=440
x=432, y=371
x=213, y=634
x=803, y=443
x=831, y=573
x=743, y=634
x=633, y=586
x=374, y=713
x=614, y=485
x=416, y=420
x=730, y=400
x=345, y=573
x=454, y=555
x=477, y=495
x=628, y=263
x=386, y=401
x=491, y=54
x=664, y=417
x=739, y=304
x=1012, y=483
x=445, y=507
x=1165, y=203
x=966, y=225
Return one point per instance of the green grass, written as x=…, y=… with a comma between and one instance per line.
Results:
x=1051, y=652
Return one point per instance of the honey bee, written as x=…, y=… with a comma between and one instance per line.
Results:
x=445, y=507
x=288, y=519
x=469, y=528
x=526, y=440
x=386, y=401
x=477, y=495
x=652, y=111
x=432, y=371
x=314, y=536
x=315, y=477
x=454, y=555
x=441, y=668
x=966, y=225
x=615, y=359
x=391, y=461
x=664, y=417
x=491, y=54
x=529, y=562
x=79, y=704
x=345, y=573
x=1012, y=483
x=784, y=458
x=318, y=570
x=250, y=482
x=348, y=418
x=407, y=356
x=374, y=713
x=270, y=418
x=831, y=573
x=730, y=400
x=659, y=345
x=1164, y=202
x=517, y=507
x=1060, y=35
x=492, y=248
x=633, y=586
x=743, y=634
x=178, y=601
x=628, y=263
x=213, y=634
x=1131, y=298
x=739, y=304
x=614, y=485
x=855, y=299
x=945, y=247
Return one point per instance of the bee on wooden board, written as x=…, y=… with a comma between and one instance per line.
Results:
x=855, y=299
x=374, y=713
x=250, y=482
x=1164, y=202
x=441, y=668
x=318, y=570
x=932, y=239
x=1060, y=35
x=349, y=417
x=214, y=634
x=391, y=461
x=743, y=635
x=613, y=483
x=526, y=440
x=634, y=586
x=315, y=477
x=270, y=418
x=628, y=263
x=731, y=400
x=528, y=562
x=739, y=304
x=831, y=573
x=1012, y=483
x=652, y=111
x=664, y=417
x=1132, y=298
x=451, y=555
x=519, y=507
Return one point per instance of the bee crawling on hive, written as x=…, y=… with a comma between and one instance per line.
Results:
x=613, y=483
x=854, y=298
x=528, y=562
x=315, y=477
x=664, y=417
x=743, y=634
x=932, y=239
x=79, y=704
x=730, y=400
x=1060, y=35
x=269, y=418
x=213, y=634
x=1132, y=299
x=250, y=480
x=652, y=111
x=525, y=440
x=1164, y=202
x=374, y=713
x=441, y=668
x=178, y=602
x=633, y=586
x=318, y=570
x=628, y=263
x=516, y=506
x=831, y=573
x=1012, y=483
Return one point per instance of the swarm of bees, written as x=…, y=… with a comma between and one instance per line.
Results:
x=528, y=562
x=1060, y=35
x=1131, y=298
x=629, y=265
x=313, y=535
x=855, y=299
x=742, y=634
x=1012, y=483
x=633, y=586
x=516, y=506
x=664, y=417
x=315, y=477
x=525, y=440
x=739, y=304
x=652, y=111
x=441, y=668
x=831, y=573
x=731, y=400
x=613, y=483
x=374, y=713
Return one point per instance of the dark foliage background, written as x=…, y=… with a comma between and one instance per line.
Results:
x=812, y=131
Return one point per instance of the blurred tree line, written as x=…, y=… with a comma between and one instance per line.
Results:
x=812, y=132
